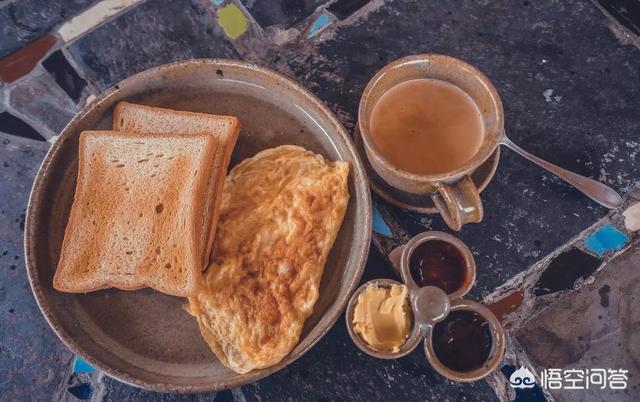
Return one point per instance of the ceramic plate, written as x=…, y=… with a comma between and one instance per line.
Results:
x=143, y=337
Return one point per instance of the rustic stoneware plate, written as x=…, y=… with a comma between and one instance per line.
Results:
x=144, y=337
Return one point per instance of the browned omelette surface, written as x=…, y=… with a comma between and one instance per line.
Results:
x=281, y=212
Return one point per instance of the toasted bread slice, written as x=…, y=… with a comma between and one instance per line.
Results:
x=147, y=119
x=136, y=214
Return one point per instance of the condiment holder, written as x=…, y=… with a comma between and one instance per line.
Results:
x=439, y=316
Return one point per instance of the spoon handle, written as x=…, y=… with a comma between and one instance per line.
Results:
x=600, y=193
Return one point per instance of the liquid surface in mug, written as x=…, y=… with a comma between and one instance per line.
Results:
x=426, y=126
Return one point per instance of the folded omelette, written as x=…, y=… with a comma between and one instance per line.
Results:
x=281, y=212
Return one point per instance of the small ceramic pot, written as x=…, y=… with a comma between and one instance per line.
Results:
x=454, y=193
x=495, y=355
x=430, y=305
x=412, y=341
x=401, y=256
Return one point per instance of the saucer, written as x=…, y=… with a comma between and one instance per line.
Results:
x=418, y=202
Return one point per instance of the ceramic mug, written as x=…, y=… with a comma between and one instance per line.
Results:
x=454, y=193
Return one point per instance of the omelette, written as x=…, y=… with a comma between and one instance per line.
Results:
x=281, y=212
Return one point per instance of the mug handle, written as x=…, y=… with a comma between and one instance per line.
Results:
x=458, y=203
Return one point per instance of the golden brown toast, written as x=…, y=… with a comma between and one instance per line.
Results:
x=146, y=119
x=136, y=214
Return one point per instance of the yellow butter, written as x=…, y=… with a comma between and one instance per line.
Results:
x=381, y=317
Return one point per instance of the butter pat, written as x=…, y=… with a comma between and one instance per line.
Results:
x=381, y=317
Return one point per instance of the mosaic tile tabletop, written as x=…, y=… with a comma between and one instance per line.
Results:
x=561, y=272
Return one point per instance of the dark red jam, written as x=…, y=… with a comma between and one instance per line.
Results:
x=438, y=263
x=462, y=341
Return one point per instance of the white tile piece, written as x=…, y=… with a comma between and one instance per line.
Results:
x=92, y=17
x=632, y=217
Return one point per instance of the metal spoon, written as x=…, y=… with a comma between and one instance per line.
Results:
x=600, y=193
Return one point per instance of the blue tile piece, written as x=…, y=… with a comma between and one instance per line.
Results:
x=320, y=23
x=80, y=366
x=379, y=225
x=524, y=394
x=217, y=2
x=607, y=238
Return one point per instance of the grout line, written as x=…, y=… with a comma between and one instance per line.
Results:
x=238, y=395
x=58, y=395
x=99, y=390
x=91, y=86
x=244, y=10
x=5, y=94
x=623, y=34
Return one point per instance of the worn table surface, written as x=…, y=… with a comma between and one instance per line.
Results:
x=568, y=73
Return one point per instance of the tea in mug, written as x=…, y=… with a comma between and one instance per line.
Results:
x=426, y=126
